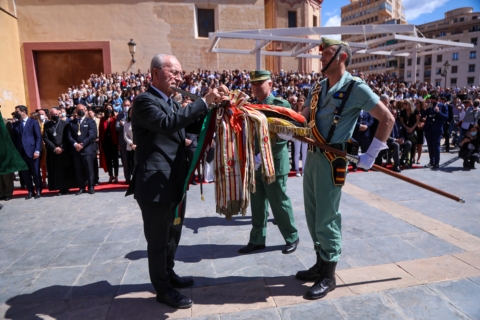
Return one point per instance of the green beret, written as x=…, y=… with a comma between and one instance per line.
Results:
x=259, y=75
x=327, y=42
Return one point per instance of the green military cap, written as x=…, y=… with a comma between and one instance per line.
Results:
x=259, y=75
x=327, y=42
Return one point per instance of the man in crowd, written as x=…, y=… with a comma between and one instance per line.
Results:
x=91, y=114
x=275, y=192
x=362, y=132
x=334, y=106
x=159, y=126
x=437, y=114
x=61, y=174
x=27, y=138
x=81, y=135
x=397, y=144
x=43, y=116
x=121, y=118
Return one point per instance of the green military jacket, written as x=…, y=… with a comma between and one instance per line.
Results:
x=279, y=146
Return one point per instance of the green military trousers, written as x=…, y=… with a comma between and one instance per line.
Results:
x=322, y=200
x=275, y=194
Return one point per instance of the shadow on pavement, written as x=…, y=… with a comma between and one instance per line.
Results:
x=202, y=222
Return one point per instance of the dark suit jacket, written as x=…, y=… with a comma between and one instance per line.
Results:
x=161, y=164
x=435, y=120
x=88, y=130
x=366, y=119
x=30, y=140
x=121, y=141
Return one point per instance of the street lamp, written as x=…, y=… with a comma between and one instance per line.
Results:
x=131, y=48
x=446, y=65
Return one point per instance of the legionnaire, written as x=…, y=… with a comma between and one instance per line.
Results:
x=333, y=106
x=274, y=193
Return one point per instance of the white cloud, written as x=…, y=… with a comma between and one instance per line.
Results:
x=334, y=21
x=415, y=8
x=331, y=13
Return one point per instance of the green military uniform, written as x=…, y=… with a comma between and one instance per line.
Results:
x=274, y=193
x=321, y=195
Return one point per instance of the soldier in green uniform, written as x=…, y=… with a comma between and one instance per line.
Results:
x=333, y=106
x=274, y=193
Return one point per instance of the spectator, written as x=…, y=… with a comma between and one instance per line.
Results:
x=117, y=102
x=109, y=144
x=437, y=114
x=120, y=123
x=43, y=152
x=421, y=118
x=410, y=117
x=470, y=148
x=130, y=145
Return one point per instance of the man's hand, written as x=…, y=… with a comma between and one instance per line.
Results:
x=134, y=146
x=436, y=109
x=58, y=150
x=188, y=142
x=78, y=147
x=400, y=141
x=212, y=96
x=36, y=155
x=362, y=127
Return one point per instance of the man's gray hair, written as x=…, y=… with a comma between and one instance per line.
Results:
x=159, y=60
x=348, y=51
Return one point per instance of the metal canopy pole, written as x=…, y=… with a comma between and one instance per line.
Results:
x=258, y=56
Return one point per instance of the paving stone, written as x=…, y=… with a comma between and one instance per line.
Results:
x=113, y=252
x=93, y=234
x=422, y=303
x=136, y=278
x=11, y=285
x=394, y=248
x=429, y=244
x=475, y=279
x=51, y=284
x=262, y=314
x=75, y=255
x=463, y=294
x=240, y=268
x=357, y=253
x=320, y=309
x=439, y=269
x=125, y=233
x=100, y=281
x=232, y=297
x=74, y=309
x=35, y=259
x=275, y=264
x=472, y=258
x=366, y=306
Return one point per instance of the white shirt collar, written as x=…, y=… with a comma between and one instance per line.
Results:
x=164, y=96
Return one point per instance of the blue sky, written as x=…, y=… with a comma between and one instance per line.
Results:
x=416, y=11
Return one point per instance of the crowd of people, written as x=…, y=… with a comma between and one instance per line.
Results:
x=424, y=114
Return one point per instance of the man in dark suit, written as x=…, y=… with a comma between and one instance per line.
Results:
x=27, y=137
x=362, y=133
x=121, y=118
x=81, y=135
x=437, y=114
x=159, y=125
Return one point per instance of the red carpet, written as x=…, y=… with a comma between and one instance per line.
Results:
x=104, y=186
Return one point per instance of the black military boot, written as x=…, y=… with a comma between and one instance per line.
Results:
x=325, y=283
x=311, y=274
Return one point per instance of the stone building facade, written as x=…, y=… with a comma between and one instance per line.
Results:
x=459, y=25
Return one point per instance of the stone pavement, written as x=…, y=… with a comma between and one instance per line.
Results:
x=407, y=254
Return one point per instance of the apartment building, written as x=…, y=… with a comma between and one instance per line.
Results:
x=362, y=12
x=459, y=25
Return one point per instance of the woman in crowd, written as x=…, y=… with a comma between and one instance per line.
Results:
x=128, y=136
x=470, y=148
x=421, y=118
x=109, y=144
x=300, y=146
x=410, y=117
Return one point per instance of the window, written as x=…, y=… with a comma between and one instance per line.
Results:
x=454, y=69
x=455, y=56
x=409, y=74
x=438, y=71
x=471, y=68
x=473, y=54
x=439, y=58
x=453, y=81
x=205, y=22
x=409, y=62
x=292, y=19
x=315, y=21
x=438, y=83
x=470, y=81
x=473, y=41
x=418, y=60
